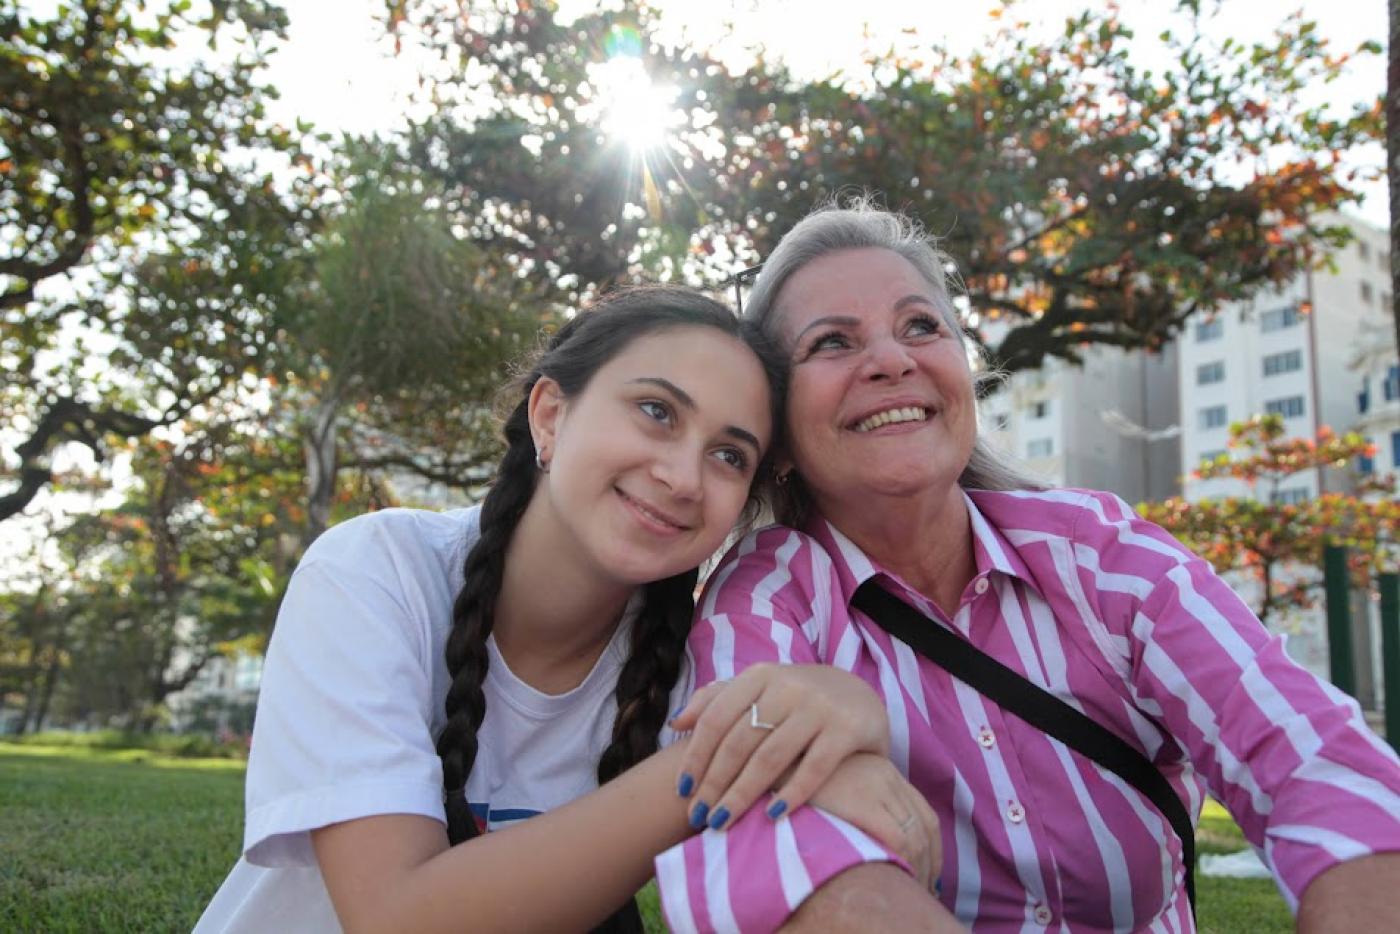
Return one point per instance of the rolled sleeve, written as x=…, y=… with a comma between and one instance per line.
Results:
x=344, y=711
x=754, y=875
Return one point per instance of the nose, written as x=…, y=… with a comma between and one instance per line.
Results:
x=680, y=469
x=887, y=359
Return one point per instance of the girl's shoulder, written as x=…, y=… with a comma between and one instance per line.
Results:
x=381, y=539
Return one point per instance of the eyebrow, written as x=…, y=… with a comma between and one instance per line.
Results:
x=685, y=399
x=851, y=320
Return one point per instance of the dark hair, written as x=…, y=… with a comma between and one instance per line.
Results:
x=575, y=353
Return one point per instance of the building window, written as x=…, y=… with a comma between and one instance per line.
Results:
x=1040, y=409
x=1364, y=249
x=1367, y=293
x=1213, y=416
x=1208, y=373
x=1363, y=398
x=1365, y=465
x=1279, y=318
x=1289, y=497
x=1395, y=449
x=1391, y=389
x=1210, y=457
x=1286, y=362
x=1040, y=447
x=1209, y=329
x=1288, y=407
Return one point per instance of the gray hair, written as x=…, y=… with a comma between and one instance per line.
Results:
x=860, y=223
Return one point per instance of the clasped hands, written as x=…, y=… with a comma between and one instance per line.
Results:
x=810, y=734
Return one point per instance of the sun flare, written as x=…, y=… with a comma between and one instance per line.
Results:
x=636, y=112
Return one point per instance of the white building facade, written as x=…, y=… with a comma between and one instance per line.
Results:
x=1305, y=351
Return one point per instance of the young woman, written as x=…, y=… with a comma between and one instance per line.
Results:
x=436, y=675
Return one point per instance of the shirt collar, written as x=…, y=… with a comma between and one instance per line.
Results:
x=992, y=552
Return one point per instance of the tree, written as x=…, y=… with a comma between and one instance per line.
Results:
x=1392, y=146
x=141, y=218
x=1279, y=545
x=129, y=604
x=1084, y=198
x=405, y=336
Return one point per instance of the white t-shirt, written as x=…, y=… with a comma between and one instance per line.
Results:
x=352, y=700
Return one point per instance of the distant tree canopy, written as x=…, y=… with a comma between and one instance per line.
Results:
x=1084, y=197
x=133, y=189
x=1278, y=545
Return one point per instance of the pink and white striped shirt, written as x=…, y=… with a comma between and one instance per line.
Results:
x=1108, y=612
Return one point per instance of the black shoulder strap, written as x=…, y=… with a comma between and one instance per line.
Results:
x=1033, y=704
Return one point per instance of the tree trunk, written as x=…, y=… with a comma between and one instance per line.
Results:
x=1266, y=577
x=320, y=467
x=1392, y=145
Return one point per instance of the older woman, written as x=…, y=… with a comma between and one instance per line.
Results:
x=885, y=479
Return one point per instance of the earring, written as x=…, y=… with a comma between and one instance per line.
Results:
x=541, y=464
x=783, y=478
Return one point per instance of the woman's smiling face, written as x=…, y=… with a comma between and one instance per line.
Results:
x=880, y=401
x=650, y=464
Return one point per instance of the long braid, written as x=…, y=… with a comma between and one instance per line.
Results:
x=472, y=616
x=653, y=665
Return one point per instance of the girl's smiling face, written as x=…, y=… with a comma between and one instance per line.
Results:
x=880, y=401
x=650, y=464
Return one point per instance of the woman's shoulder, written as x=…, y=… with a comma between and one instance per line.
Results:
x=774, y=556
x=1061, y=511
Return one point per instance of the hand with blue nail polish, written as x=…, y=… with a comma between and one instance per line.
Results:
x=774, y=728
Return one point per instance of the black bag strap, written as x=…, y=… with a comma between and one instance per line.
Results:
x=1033, y=704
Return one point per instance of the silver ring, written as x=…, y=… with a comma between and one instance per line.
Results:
x=757, y=723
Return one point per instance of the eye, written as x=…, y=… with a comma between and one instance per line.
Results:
x=734, y=458
x=657, y=411
x=832, y=340
x=923, y=326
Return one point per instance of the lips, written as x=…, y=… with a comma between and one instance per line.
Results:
x=891, y=416
x=655, y=517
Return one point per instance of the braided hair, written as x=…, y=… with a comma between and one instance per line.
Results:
x=577, y=351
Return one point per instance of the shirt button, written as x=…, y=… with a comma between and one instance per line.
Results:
x=1015, y=813
x=981, y=585
x=1043, y=915
x=986, y=738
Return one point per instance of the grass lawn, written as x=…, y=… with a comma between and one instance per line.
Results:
x=133, y=840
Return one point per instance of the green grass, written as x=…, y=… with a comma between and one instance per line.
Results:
x=113, y=840
x=134, y=839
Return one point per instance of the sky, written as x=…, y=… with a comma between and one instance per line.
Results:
x=336, y=70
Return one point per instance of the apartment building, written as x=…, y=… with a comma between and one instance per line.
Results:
x=1290, y=351
x=1111, y=424
x=1314, y=352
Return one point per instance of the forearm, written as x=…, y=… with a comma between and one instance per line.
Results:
x=1358, y=895
x=872, y=897
x=567, y=869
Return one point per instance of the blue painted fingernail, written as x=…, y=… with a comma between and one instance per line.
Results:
x=677, y=712
x=686, y=785
x=776, y=809
x=938, y=885
x=718, y=818
x=698, y=814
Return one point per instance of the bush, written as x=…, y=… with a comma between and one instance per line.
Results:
x=180, y=745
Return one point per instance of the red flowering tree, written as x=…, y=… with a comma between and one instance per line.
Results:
x=1269, y=541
